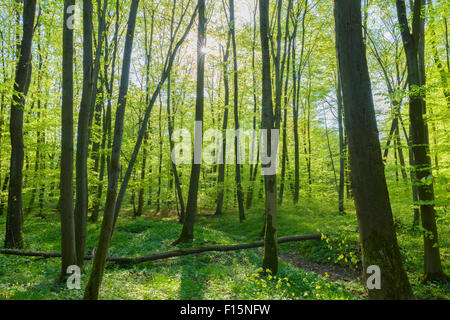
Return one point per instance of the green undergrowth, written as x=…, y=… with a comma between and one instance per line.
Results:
x=216, y=275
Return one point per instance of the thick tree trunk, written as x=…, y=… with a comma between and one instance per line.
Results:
x=14, y=220
x=377, y=234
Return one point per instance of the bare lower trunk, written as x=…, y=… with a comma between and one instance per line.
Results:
x=270, y=259
x=81, y=204
x=14, y=220
x=68, y=250
x=95, y=279
x=376, y=226
x=187, y=232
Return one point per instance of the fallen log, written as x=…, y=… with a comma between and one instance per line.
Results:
x=170, y=254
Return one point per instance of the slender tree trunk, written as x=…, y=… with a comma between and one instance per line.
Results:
x=97, y=147
x=414, y=49
x=81, y=204
x=240, y=196
x=253, y=168
x=341, y=144
x=270, y=259
x=377, y=234
x=148, y=55
x=14, y=220
x=95, y=279
x=98, y=56
x=287, y=53
x=4, y=188
x=165, y=74
x=106, y=139
x=158, y=194
x=296, y=103
x=187, y=232
x=221, y=174
x=39, y=134
x=68, y=250
x=170, y=122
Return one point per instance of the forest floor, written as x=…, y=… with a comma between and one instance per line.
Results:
x=326, y=269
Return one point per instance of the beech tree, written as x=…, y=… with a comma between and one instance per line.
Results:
x=187, y=232
x=376, y=226
x=81, y=204
x=93, y=287
x=270, y=260
x=14, y=221
x=66, y=199
x=414, y=45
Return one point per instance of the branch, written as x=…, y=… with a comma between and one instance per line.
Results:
x=170, y=254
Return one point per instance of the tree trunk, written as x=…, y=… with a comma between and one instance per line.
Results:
x=98, y=55
x=68, y=250
x=253, y=168
x=148, y=57
x=165, y=74
x=240, y=196
x=81, y=204
x=221, y=174
x=270, y=259
x=341, y=145
x=187, y=232
x=95, y=279
x=377, y=234
x=170, y=122
x=287, y=54
x=414, y=49
x=14, y=220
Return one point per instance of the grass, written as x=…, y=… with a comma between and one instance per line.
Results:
x=231, y=275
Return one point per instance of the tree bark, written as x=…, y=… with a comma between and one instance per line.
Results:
x=68, y=250
x=240, y=196
x=270, y=259
x=81, y=203
x=221, y=174
x=377, y=234
x=95, y=279
x=253, y=168
x=341, y=145
x=413, y=43
x=14, y=220
x=187, y=232
x=170, y=122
